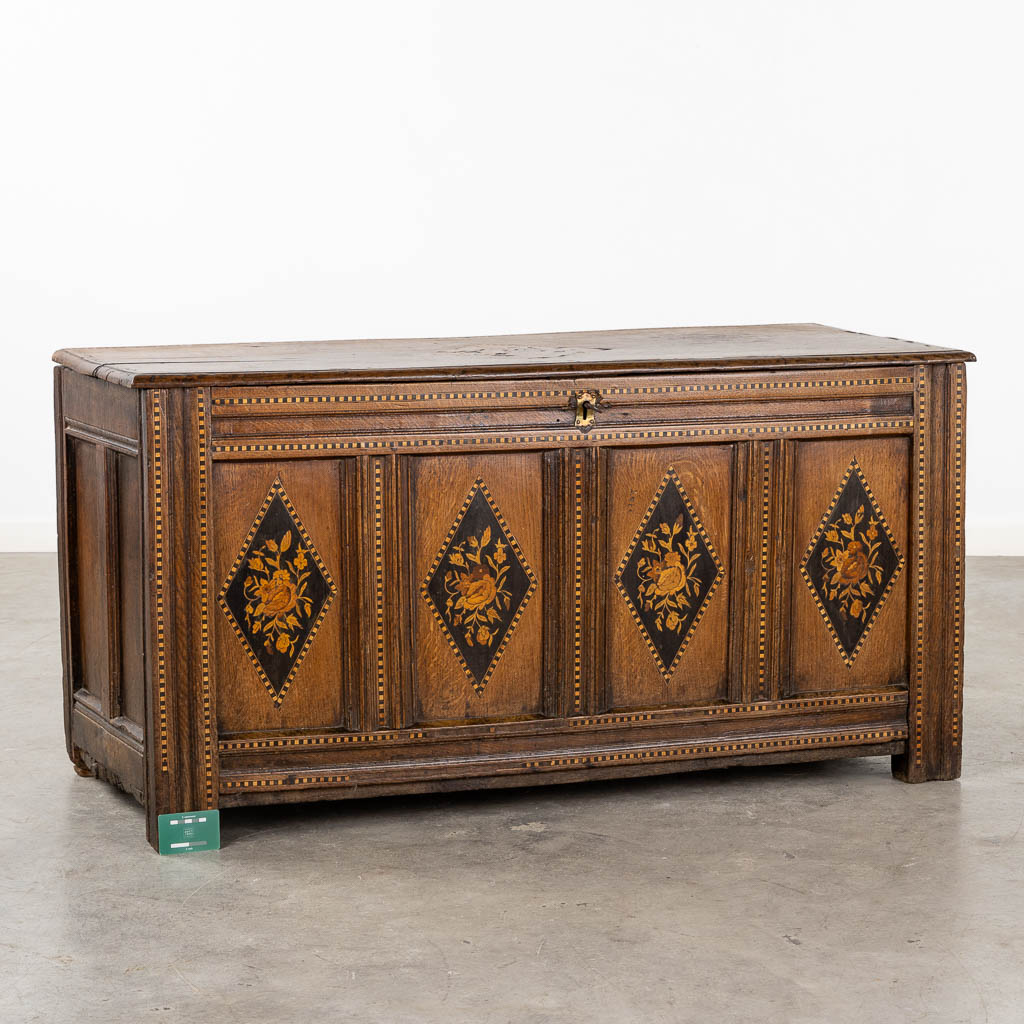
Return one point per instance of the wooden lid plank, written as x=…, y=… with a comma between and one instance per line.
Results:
x=515, y=356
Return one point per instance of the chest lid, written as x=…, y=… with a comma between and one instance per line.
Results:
x=515, y=356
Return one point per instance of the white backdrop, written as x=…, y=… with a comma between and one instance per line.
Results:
x=240, y=171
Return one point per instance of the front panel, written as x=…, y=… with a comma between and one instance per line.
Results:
x=278, y=571
x=511, y=588
x=851, y=545
x=476, y=589
x=669, y=526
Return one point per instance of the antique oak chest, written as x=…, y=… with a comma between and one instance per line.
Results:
x=324, y=570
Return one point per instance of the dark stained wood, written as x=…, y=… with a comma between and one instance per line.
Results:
x=100, y=558
x=128, y=542
x=94, y=409
x=934, y=747
x=558, y=657
x=181, y=762
x=114, y=755
x=743, y=566
x=377, y=446
x=518, y=355
x=442, y=784
x=91, y=666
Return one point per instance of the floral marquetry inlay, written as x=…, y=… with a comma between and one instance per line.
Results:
x=851, y=563
x=669, y=573
x=478, y=585
x=277, y=592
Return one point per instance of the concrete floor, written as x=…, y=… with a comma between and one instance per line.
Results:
x=814, y=893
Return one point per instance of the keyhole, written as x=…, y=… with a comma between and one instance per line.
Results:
x=585, y=410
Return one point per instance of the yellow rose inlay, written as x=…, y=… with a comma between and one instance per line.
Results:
x=275, y=595
x=850, y=558
x=667, y=572
x=477, y=587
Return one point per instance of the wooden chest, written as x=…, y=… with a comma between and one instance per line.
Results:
x=337, y=569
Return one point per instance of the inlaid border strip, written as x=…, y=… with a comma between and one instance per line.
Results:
x=759, y=707
x=669, y=477
x=277, y=489
x=204, y=617
x=677, y=752
x=384, y=396
x=291, y=780
x=158, y=576
x=849, y=659
x=696, y=750
x=754, y=385
x=479, y=685
x=920, y=431
x=577, y=585
x=435, y=396
x=958, y=544
x=668, y=718
x=476, y=441
x=378, y=584
x=341, y=739
x=762, y=596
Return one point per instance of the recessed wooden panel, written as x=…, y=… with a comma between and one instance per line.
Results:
x=471, y=518
x=89, y=557
x=825, y=599
x=131, y=581
x=647, y=662
x=314, y=696
x=278, y=592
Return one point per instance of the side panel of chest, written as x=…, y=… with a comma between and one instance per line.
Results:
x=101, y=559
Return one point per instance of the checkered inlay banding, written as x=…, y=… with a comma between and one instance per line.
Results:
x=204, y=618
x=577, y=585
x=505, y=440
x=762, y=599
x=696, y=750
x=158, y=575
x=958, y=545
x=921, y=440
x=378, y=586
x=654, y=389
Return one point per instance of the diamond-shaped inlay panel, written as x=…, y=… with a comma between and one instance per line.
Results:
x=277, y=593
x=478, y=585
x=851, y=563
x=668, y=573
